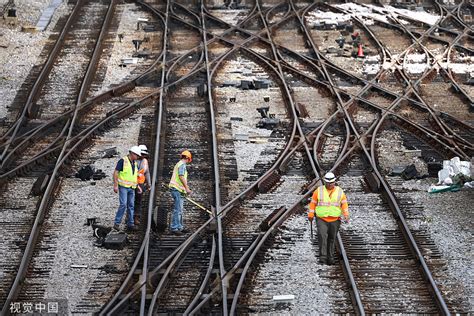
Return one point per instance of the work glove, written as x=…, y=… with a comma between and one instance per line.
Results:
x=310, y=216
x=345, y=219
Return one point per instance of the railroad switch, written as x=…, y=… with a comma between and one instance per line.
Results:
x=373, y=182
x=40, y=185
x=212, y=228
x=268, y=121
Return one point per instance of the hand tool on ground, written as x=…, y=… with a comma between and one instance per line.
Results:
x=311, y=224
x=192, y=201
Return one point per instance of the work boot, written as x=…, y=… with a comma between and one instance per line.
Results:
x=116, y=227
x=331, y=262
x=176, y=232
x=136, y=220
x=132, y=228
x=323, y=261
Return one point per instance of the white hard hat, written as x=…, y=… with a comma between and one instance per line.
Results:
x=329, y=177
x=144, y=149
x=136, y=150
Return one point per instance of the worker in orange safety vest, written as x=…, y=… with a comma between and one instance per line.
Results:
x=143, y=182
x=329, y=202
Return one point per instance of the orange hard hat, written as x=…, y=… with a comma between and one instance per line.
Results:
x=187, y=154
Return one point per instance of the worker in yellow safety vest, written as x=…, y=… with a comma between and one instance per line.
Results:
x=330, y=204
x=179, y=187
x=125, y=182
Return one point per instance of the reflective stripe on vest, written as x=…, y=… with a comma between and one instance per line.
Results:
x=141, y=172
x=175, y=181
x=329, y=206
x=127, y=178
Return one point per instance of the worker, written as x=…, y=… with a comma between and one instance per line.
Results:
x=143, y=182
x=125, y=182
x=179, y=187
x=330, y=203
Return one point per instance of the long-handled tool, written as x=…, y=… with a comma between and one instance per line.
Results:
x=193, y=202
x=310, y=218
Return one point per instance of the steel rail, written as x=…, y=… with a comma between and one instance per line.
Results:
x=374, y=166
x=52, y=183
x=279, y=73
x=217, y=181
x=136, y=287
x=412, y=86
x=159, y=288
x=33, y=94
x=417, y=41
x=84, y=106
x=425, y=106
x=400, y=219
x=219, y=235
x=411, y=123
x=371, y=83
x=151, y=201
x=420, y=104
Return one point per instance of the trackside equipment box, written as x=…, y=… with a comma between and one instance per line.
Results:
x=115, y=241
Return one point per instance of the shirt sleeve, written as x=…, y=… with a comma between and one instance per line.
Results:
x=119, y=166
x=182, y=170
x=314, y=200
x=147, y=172
x=344, y=205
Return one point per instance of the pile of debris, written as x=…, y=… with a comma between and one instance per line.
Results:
x=454, y=175
x=88, y=172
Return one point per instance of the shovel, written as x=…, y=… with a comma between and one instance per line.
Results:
x=193, y=202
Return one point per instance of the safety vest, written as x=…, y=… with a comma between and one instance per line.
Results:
x=175, y=181
x=141, y=172
x=127, y=178
x=329, y=206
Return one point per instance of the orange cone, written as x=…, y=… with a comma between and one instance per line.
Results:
x=360, y=52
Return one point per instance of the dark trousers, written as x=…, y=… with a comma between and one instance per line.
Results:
x=138, y=203
x=326, y=238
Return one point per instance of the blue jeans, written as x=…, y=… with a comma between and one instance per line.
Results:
x=177, y=215
x=127, y=201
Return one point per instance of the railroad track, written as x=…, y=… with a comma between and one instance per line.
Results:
x=247, y=241
x=214, y=263
x=30, y=110
x=48, y=162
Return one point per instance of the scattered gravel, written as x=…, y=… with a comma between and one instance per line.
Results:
x=125, y=48
x=391, y=153
x=251, y=145
x=77, y=201
x=20, y=51
x=447, y=217
x=285, y=271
